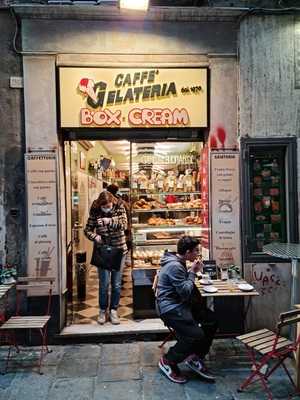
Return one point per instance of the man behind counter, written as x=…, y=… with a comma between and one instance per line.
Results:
x=180, y=307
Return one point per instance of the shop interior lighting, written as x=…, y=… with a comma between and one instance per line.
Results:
x=140, y=5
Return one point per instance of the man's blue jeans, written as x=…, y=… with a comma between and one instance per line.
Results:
x=115, y=278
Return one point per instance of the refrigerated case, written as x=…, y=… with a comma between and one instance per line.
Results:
x=269, y=204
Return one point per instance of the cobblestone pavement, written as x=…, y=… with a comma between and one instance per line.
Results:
x=128, y=371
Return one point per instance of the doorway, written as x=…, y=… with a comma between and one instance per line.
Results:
x=90, y=167
x=162, y=184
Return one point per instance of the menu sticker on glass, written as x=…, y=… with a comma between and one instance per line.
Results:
x=42, y=229
x=225, y=206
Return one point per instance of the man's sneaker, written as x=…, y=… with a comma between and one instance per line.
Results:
x=199, y=367
x=114, y=317
x=102, y=317
x=171, y=371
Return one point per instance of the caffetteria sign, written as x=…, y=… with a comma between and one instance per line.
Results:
x=129, y=98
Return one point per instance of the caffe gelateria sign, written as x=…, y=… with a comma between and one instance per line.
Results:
x=129, y=98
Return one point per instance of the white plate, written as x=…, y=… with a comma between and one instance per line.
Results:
x=205, y=281
x=210, y=289
x=245, y=287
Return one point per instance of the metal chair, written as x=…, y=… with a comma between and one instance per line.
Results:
x=269, y=345
x=29, y=322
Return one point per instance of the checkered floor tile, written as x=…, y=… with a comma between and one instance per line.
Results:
x=86, y=311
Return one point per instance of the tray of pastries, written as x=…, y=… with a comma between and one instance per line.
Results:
x=157, y=221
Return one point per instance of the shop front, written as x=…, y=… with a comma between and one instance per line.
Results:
x=158, y=122
x=159, y=178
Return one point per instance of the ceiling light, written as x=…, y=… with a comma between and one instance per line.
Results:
x=141, y=5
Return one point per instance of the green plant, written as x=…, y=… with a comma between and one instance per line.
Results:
x=7, y=271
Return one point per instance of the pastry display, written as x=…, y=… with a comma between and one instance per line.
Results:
x=193, y=220
x=143, y=204
x=165, y=202
x=160, y=221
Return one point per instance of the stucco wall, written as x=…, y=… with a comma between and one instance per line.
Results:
x=269, y=106
x=12, y=197
x=129, y=37
x=269, y=100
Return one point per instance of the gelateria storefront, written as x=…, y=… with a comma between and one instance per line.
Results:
x=146, y=131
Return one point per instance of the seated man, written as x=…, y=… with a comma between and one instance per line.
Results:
x=181, y=307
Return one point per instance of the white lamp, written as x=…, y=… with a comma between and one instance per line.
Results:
x=141, y=5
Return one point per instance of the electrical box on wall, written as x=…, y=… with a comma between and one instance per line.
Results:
x=16, y=82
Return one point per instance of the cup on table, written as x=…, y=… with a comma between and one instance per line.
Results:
x=205, y=276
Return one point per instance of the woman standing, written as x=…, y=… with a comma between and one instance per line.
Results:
x=106, y=224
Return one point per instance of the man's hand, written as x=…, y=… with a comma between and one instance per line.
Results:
x=196, y=266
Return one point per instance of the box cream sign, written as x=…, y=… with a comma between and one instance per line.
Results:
x=130, y=98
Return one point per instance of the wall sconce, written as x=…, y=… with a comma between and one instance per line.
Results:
x=141, y=5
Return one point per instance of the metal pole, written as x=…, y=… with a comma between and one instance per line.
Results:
x=294, y=296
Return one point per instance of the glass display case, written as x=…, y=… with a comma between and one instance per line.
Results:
x=165, y=199
x=269, y=187
x=268, y=206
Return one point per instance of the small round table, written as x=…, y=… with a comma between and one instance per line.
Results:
x=287, y=251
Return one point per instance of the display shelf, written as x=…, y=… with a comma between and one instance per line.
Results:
x=152, y=266
x=156, y=242
x=166, y=228
x=154, y=210
x=164, y=193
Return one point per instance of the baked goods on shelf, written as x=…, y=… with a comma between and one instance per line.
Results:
x=163, y=235
x=150, y=257
x=193, y=220
x=157, y=221
x=185, y=204
x=143, y=204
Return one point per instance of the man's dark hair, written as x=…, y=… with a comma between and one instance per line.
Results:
x=113, y=189
x=187, y=243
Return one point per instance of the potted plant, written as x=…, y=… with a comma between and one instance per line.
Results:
x=8, y=274
x=234, y=272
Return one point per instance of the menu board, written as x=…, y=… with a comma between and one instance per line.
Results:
x=225, y=205
x=42, y=230
x=267, y=183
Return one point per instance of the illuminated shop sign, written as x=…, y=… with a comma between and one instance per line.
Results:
x=129, y=98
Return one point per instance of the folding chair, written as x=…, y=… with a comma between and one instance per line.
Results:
x=171, y=333
x=270, y=346
x=20, y=322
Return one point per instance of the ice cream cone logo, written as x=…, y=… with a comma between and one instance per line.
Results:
x=94, y=92
x=86, y=86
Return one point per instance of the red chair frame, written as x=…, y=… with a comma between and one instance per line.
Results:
x=271, y=346
x=19, y=322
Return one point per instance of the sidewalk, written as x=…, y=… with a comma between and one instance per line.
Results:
x=129, y=371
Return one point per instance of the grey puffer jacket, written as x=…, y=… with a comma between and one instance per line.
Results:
x=175, y=284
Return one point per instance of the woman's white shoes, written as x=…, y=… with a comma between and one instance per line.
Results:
x=102, y=317
x=114, y=317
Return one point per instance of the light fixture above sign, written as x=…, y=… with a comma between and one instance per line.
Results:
x=141, y=5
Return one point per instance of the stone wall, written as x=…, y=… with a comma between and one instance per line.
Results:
x=269, y=76
x=269, y=106
x=12, y=190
